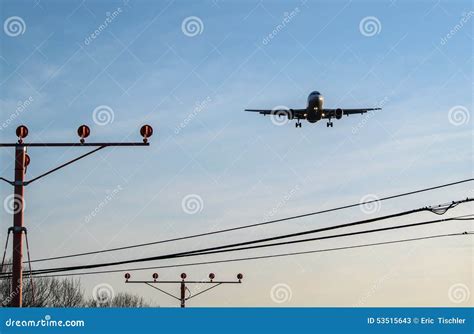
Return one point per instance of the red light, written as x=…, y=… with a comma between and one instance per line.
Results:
x=127, y=276
x=83, y=132
x=240, y=276
x=155, y=276
x=183, y=276
x=212, y=276
x=21, y=132
x=27, y=160
x=146, y=131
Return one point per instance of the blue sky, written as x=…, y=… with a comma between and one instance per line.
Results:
x=144, y=67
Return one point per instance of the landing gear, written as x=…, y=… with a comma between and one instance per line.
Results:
x=298, y=125
x=329, y=124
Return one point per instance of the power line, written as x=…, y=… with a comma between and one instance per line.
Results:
x=300, y=233
x=260, y=257
x=284, y=236
x=254, y=225
x=221, y=249
x=325, y=237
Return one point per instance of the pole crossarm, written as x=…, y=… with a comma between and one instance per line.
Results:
x=189, y=282
x=183, y=285
x=99, y=146
x=73, y=144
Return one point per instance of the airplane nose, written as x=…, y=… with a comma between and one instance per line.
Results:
x=320, y=102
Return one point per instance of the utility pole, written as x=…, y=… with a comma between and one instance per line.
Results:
x=182, y=298
x=183, y=294
x=18, y=204
x=21, y=162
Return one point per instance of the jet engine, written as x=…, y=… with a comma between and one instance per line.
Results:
x=339, y=113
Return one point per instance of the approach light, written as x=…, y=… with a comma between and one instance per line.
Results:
x=183, y=276
x=155, y=276
x=127, y=276
x=21, y=132
x=146, y=131
x=212, y=276
x=27, y=160
x=239, y=277
x=83, y=132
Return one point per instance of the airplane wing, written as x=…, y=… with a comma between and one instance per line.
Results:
x=291, y=113
x=332, y=112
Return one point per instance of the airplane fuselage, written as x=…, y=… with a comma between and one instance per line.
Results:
x=313, y=112
x=315, y=107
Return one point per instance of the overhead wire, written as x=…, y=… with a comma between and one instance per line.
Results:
x=262, y=257
x=284, y=236
x=434, y=210
x=231, y=247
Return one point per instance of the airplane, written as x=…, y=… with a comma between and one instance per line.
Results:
x=313, y=112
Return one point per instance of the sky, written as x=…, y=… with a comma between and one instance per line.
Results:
x=189, y=69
